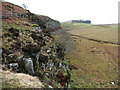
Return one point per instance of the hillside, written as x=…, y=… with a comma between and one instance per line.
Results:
x=29, y=50
x=94, y=62
x=37, y=51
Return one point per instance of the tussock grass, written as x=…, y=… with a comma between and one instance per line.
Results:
x=17, y=80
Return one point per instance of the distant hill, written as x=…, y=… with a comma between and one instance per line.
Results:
x=70, y=26
x=104, y=32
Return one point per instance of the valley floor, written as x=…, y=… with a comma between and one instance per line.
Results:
x=94, y=64
x=97, y=64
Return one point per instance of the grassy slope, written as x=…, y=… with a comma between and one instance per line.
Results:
x=99, y=32
x=20, y=24
x=97, y=63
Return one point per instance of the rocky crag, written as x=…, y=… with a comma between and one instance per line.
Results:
x=28, y=46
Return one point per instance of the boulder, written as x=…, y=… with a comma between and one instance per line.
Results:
x=11, y=58
x=13, y=66
x=29, y=65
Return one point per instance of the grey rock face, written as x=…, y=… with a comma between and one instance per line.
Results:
x=50, y=64
x=43, y=66
x=10, y=55
x=29, y=65
x=38, y=56
x=20, y=57
x=51, y=24
x=13, y=66
x=37, y=29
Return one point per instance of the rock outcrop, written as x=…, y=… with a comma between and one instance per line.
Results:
x=28, y=47
x=12, y=11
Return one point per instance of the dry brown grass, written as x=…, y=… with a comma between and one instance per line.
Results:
x=97, y=63
x=104, y=33
x=20, y=80
x=99, y=32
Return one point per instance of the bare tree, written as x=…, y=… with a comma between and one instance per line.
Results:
x=24, y=6
x=66, y=40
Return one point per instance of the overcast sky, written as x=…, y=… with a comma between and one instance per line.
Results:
x=98, y=11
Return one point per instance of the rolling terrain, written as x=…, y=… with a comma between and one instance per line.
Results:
x=94, y=60
x=107, y=33
x=38, y=53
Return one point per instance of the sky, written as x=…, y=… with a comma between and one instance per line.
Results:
x=98, y=11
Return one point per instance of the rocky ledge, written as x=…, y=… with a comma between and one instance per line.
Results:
x=28, y=47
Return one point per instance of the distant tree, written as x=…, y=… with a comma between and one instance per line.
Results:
x=24, y=6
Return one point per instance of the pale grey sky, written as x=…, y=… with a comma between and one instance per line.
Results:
x=98, y=11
